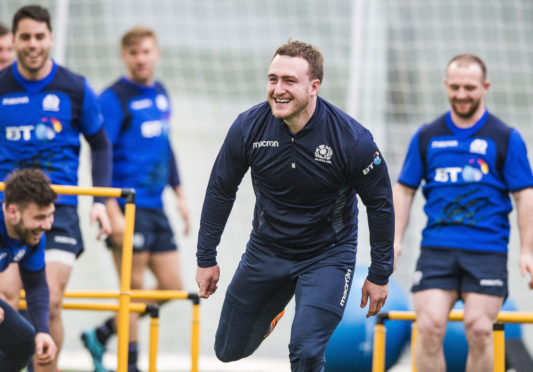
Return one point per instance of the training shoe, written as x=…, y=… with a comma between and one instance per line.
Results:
x=273, y=323
x=95, y=348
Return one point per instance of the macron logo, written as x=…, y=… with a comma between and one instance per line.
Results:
x=259, y=144
x=15, y=101
x=347, y=277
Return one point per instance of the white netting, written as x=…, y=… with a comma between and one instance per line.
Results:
x=384, y=63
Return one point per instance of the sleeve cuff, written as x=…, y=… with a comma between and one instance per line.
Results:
x=204, y=262
x=377, y=278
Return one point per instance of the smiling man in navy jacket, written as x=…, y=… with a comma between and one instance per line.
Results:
x=308, y=161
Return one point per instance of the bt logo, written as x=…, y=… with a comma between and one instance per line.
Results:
x=447, y=174
x=20, y=132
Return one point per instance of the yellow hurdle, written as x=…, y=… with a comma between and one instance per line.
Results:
x=142, y=307
x=499, y=347
x=378, y=355
x=378, y=359
x=127, y=248
x=125, y=294
x=92, y=306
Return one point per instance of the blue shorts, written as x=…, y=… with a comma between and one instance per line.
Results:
x=263, y=285
x=152, y=232
x=65, y=234
x=461, y=270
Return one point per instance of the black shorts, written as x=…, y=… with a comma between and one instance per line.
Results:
x=461, y=270
x=152, y=232
x=65, y=234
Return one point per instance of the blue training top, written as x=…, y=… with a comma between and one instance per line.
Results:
x=305, y=186
x=41, y=121
x=137, y=122
x=468, y=174
x=14, y=250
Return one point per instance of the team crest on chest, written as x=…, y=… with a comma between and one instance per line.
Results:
x=323, y=153
x=162, y=102
x=478, y=146
x=51, y=102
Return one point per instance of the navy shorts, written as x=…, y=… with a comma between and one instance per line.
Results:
x=461, y=270
x=152, y=232
x=65, y=234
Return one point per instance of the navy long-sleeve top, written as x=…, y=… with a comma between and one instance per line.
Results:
x=305, y=186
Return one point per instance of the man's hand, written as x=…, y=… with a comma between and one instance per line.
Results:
x=378, y=296
x=98, y=214
x=207, y=279
x=526, y=266
x=1, y=315
x=45, y=348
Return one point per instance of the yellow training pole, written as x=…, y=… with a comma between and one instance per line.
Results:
x=108, y=192
x=499, y=347
x=378, y=355
x=457, y=315
x=93, y=306
x=414, y=336
x=153, y=294
x=125, y=278
x=154, y=338
x=195, y=336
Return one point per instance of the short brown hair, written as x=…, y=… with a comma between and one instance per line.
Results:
x=469, y=59
x=25, y=186
x=35, y=12
x=136, y=34
x=306, y=51
x=4, y=30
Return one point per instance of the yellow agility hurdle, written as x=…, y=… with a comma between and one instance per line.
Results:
x=152, y=310
x=127, y=248
x=378, y=357
x=156, y=295
x=125, y=293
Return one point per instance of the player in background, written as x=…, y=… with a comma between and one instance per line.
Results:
x=27, y=212
x=136, y=111
x=44, y=108
x=7, y=54
x=470, y=162
x=308, y=161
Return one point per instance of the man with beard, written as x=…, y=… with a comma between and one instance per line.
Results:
x=308, y=161
x=27, y=211
x=470, y=162
x=44, y=108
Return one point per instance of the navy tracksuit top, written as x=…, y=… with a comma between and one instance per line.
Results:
x=305, y=186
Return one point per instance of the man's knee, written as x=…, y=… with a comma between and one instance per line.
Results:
x=56, y=301
x=311, y=331
x=431, y=333
x=309, y=364
x=230, y=351
x=478, y=333
x=26, y=348
x=12, y=297
x=225, y=354
x=236, y=336
x=22, y=348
